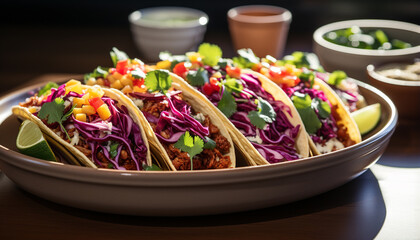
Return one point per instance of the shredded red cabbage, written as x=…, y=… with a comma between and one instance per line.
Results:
x=278, y=138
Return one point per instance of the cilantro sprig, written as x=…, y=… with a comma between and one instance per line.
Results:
x=264, y=114
x=311, y=110
x=246, y=58
x=197, y=78
x=158, y=81
x=211, y=53
x=98, y=72
x=191, y=145
x=46, y=90
x=53, y=112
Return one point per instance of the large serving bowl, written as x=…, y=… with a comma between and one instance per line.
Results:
x=404, y=93
x=190, y=192
x=354, y=61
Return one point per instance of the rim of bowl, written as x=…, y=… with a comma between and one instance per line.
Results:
x=372, y=23
x=281, y=14
x=182, y=178
x=371, y=70
x=202, y=18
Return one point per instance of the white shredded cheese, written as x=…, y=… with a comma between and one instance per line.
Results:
x=75, y=139
x=256, y=139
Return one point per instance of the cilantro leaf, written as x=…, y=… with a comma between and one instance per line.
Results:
x=323, y=108
x=233, y=85
x=113, y=150
x=197, y=78
x=304, y=106
x=336, y=77
x=46, y=90
x=117, y=55
x=138, y=74
x=154, y=167
x=211, y=53
x=158, y=80
x=264, y=114
x=309, y=119
x=304, y=59
x=98, y=72
x=192, y=146
x=256, y=120
x=54, y=113
x=246, y=59
x=227, y=104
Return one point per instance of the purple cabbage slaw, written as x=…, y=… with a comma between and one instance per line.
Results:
x=278, y=138
x=329, y=127
x=124, y=131
x=177, y=118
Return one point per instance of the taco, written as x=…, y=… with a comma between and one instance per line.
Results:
x=184, y=133
x=263, y=122
x=327, y=119
x=95, y=125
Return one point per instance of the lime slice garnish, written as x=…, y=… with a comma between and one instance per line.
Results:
x=367, y=118
x=31, y=142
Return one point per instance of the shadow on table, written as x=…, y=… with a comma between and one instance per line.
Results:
x=404, y=148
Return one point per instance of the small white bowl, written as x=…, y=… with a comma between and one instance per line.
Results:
x=174, y=29
x=353, y=60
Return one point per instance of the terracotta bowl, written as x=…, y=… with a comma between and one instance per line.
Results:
x=187, y=193
x=353, y=60
x=404, y=93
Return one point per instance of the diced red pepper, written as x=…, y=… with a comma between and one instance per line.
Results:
x=180, y=69
x=208, y=89
x=234, y=72
x=96, y=102
x=214, y=83
x=122, y=66
x=138, y=82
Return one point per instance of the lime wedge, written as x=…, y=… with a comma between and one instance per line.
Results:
x=367, y=118
x=31, y=142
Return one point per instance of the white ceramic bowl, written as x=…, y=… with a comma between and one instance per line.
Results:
x=185, y=193
x=174, y=29
x=354, y=61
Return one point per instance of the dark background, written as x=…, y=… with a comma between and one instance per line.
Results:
x=40, y=37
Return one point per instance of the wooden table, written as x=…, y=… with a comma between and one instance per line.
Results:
x=383, y=203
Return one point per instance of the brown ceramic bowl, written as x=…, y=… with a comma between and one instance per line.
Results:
x=404, y=93
x=186, y=193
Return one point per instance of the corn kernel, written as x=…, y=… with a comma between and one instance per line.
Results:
x=139, y=89
x=117, y=84
x=77, y=88
x=217, y=75
x=95, y=91
x=148, y=68
x=79, y=101
x=194, y=56
x=81, y=117
x=116, y=75
x=111, y=79
x=77, y=110
x=127, y=89
x=163, y=64
x=103, y=112
x=100, y=82
x=88, y=110
x=125, y=80
x=91, y=81
x=32, y=110
x=72, y=82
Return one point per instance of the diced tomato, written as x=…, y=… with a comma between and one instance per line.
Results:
x=290, y=80
x=233, y=71
x=180, y=69
x=96, y=102
x=208, y=89
x=276, y=73
x=138, y=82
x=214, y=83
x=122, y=66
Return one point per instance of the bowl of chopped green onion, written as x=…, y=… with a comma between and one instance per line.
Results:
x=352, y=45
